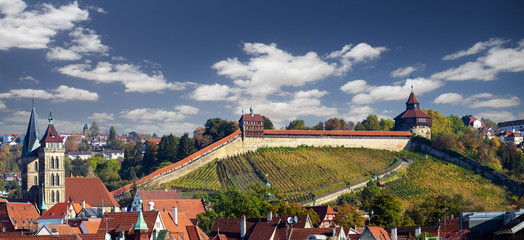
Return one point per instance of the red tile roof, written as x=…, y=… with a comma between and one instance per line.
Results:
x=125, y=222
x=337, y=133
x=303, y=233
x=16, y=236
x=91, y=190
x=59, y=210
x=249, y=118
x=413, y=113
x=85, y=236
x=191, y=207
x=17, y=216
x=322, y=211
x=51, y=135
x=169, y=224
x=256, y=228
x=378, y=232
x=64, y=229
x=148, y=195
x=412, y=99
x=92, y=226
x=195, y=233
x=177, y=164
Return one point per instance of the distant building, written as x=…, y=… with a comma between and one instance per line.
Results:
x=146, y=196
x=112, y=154
x=18, y=217
x=326, y=215
x=13, y=138
x=472, y=122
x=81, y=155
x=413, y=119
x=251, y=125
x=516, y=125
x=12, y=176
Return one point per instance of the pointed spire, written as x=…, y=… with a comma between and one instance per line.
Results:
x=140, y=222
x=251, y=111
x=43, y=207
x=50, y=118
x=32, y=135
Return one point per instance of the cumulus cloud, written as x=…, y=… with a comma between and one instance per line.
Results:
x=131, y=76
x=403, y=72
x=148, y=115
x=478, y=47
x=3, y=107
x=186, y=109
x=497, y=116
x=356, y=86
x=496, y=60
x=34, y=29
x=481, y=100
x=215, y=92
x=366, y=94
x=84, y=41
x=102, y=117
x=360, y=53
x=31, y=80
x=357, y=113
x=60, y=94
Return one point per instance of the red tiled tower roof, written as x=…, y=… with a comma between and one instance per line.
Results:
x=412, y=99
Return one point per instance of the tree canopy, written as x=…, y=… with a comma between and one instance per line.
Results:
x=297, y=124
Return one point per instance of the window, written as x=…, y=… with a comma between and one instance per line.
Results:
x=52, y=196
x=36, y=181
x=52, y=180
x=57, y=180
x=52, y=162
x=58, y=196
x=36, y=166
x=56, y=165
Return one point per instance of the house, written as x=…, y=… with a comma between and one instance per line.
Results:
x=124, y=224
x=335, y=233
x=12, y=176
x=60, y=213
x=251, y=125
x=58, y=229
x=482, y=224
x=413, y=232
x=472, y=122
x=12, y=138
x=180, y=227
x=516, y=125
x=112, y=154
x=270, y=228
x=190, y=207
x=146, y=196
x=511, y=230
x=326, y=214
x=18, y=217
x=509, y=137
x=374, y=233
x=86, y=226
x=92, y=191
x=81, y=155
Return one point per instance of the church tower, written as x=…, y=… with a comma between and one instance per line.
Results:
x=51, y=171
x=30, y=166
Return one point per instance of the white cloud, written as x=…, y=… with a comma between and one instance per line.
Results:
x=215, y=92
x=30, y=79
x=3, y=107
x=497, y=116
x=148, y=115
x=373, y=94
x=481, y=100
x=449, y=98
x=85, y=41
x=403, y=72
x=102, y=117
x=360, y=53
x=356, y=86
x=186, y=109
x=34, y=29
x=358, y=113
x=129, y=75
x=478, y=47
x=496, y=60
x=60, y=94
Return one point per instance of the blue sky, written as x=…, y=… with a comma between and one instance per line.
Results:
x=168, y=66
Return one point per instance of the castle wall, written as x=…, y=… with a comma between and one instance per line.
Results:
x=237, y=146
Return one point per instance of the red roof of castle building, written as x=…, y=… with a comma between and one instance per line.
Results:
x=413, y=113
x=412, y=99
x=51, y=135
x=251, y=118
x=91, y=190
x=191, y=207
x=337, y=133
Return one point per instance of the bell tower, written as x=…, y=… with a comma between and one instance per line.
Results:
x=51, y=171
x=29, y=158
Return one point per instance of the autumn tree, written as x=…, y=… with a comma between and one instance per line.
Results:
x=349, y=216
x=439, y=124
x=336, y=124
x=351, y=125
x=84, y=146
x=318, y=126
x=201, y=140
x=71, y=144
x=95, y=130
x=79, y=167
x=85, y=131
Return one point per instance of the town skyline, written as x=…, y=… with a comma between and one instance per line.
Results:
x=178, y=64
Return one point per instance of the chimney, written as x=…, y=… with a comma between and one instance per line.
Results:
x=150, y=204
x=269, y=216
x=418, y=231
x=394, y=233
x=100, y=212
x=243, y=227
x=83, y=204
x=175, y=215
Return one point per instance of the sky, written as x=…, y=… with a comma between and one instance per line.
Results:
x=167, y=66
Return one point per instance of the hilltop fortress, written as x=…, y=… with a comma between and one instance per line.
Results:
x=253, y=136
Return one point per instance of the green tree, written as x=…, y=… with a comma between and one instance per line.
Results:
x=95, y=130
x=319, y=126
x=167, y=148
x=186, y=147
x=85, y=131
x=297, y=125
x=79, y=167
x=218, y=128
x=132, y=162
x=114, y=142
x=386, y=124
x=368, y=194
x=388, y=209
x=360, y=127
x=433, y=208
x=490, y=124
x=351, y=125
x=371, y=123
x=349, y=216
x=150, y=156
x=439, y=124
x=267, y=123
x=456, y=124
x=67, y=167
x=84, y=146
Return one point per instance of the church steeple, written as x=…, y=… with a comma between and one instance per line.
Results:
x=32, y=135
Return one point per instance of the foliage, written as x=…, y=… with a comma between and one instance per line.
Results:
x=150, y=157
x=79, y=167
x=84, y=146
x=67, y=167
x=349, y=216
x=95, y=130
x=132, y=164
x=71, y=144
x=336, y=124
x=113, y=142
x=201, y=140
x=371, y=123
x=297, y=124
x=9, y=156
x=267, y=123
x=218, y=128
x=351, y=125
x=186, y=147
x=388, y=208
x=368, y=194
x=85, y=131
x=167, y=148
x=433, y=208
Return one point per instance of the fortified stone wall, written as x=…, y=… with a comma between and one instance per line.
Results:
x=239, y=146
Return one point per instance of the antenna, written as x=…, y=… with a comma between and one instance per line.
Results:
x=411, y=77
